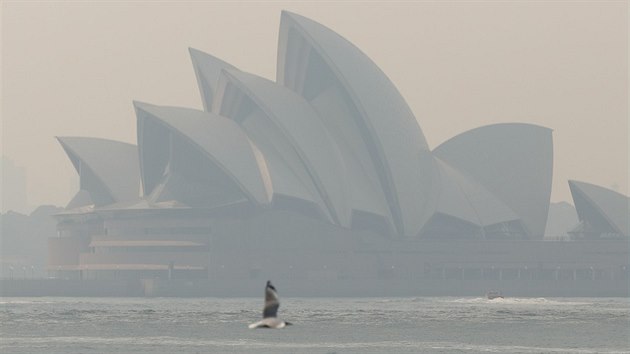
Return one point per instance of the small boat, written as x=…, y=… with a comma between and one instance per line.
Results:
x=491, y=295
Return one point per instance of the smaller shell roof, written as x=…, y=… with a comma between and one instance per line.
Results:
x=302, y=126
x=207, y=70
x=113, y=163
x=462, y=197
x=288, y=173
x=513, y=161
x=614, y=207
x=223, y=141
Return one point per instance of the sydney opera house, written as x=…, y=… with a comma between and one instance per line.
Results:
x=322, y=175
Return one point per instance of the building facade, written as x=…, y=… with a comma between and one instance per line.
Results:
x=322, y=175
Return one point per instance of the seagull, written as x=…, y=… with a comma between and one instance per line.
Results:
x=270, y=310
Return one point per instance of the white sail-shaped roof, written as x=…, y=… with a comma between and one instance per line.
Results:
x=602, y=208
x=513, y=161
x=108, y=169
x=302, y=127
x=221, y=140
x=463, y=198
x=207, y=70
x=287, y=162
x=327, y=69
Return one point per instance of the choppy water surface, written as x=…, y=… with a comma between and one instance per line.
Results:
x=322, y=325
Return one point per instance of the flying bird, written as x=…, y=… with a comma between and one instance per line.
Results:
x=270, y=311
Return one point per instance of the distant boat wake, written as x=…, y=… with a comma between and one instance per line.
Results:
x=517, y=301
x=270, y=311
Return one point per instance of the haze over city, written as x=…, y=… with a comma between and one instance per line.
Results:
x=404, y=177
x=73, y=69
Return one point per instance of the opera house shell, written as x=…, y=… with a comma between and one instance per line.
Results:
x=297, y=177
x=603, y=213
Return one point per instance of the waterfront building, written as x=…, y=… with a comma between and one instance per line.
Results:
x=321, y=175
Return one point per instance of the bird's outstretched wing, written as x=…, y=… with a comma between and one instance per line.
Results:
x=272, y=302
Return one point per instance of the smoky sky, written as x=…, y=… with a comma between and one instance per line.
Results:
x=73, y=68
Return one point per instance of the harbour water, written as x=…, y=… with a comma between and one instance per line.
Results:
x=321, y=325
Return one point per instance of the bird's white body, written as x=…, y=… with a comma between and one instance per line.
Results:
x=270, y=322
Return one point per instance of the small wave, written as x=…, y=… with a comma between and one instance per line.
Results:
x=81, y=312
x=536, y=301
x=465, y=347
x=24, y=302
x=87, y=342
x=145, y=311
